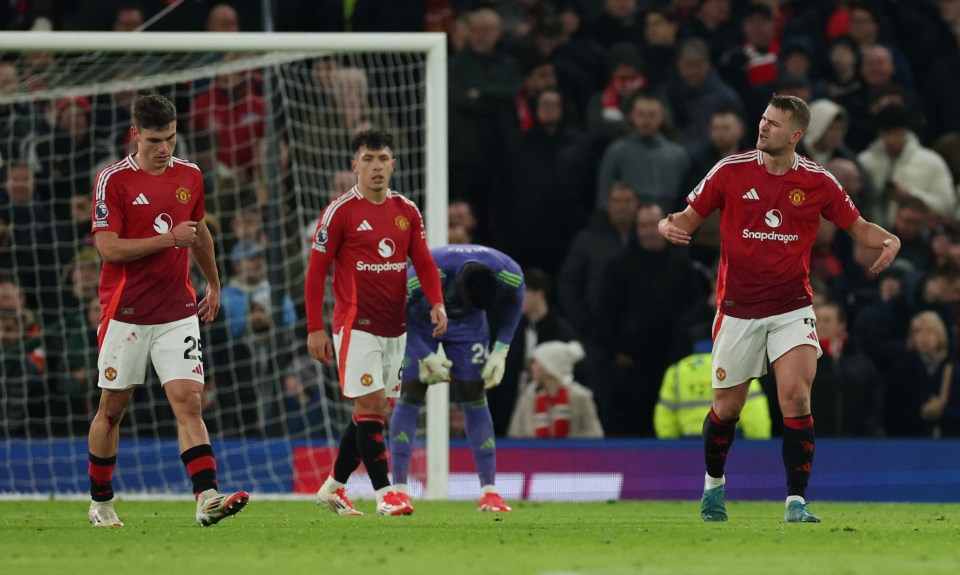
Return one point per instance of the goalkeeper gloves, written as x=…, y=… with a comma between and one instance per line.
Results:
x=433, y=369
x=492, y=373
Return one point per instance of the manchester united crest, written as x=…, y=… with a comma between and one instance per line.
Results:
x=366, y=380
x=183, y=195
x=110, y=374
x=402, y=223
x=797, y=196
x=721, y=374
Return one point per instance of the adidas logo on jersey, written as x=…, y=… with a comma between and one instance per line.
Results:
x=751, y=195
x=141, y=200
x=199, y=369
x=364, y=226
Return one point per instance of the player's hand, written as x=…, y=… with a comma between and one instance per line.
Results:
x=185, y=233
x=438, y=317
x=891, y=247
x=492, y=373
x=672, y=232
x=209, y=306
x=434, y=369
x=319, y=346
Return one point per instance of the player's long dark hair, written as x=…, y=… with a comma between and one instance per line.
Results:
x=477, y=285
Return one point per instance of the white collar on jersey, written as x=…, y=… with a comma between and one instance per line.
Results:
x=136, y=166
x=796, y=159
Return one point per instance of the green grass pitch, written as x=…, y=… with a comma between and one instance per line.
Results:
x=293, y=537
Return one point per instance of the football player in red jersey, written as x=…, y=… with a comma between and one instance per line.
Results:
x=770, y=201
x=367, y=234
x=147, y=207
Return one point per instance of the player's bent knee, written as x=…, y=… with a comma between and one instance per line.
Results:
x=413, y=392
x=468, y=391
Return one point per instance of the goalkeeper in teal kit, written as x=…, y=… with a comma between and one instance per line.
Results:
x=481, y=286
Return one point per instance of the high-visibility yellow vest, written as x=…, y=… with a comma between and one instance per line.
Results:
x=687, y=394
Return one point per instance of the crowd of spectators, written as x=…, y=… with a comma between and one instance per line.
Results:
x=574, y=126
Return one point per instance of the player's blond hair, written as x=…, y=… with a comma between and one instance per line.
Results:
x=796, y=107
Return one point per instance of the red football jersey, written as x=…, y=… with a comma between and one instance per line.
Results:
x=768, y=224
x=153, y=289
x=368, y=245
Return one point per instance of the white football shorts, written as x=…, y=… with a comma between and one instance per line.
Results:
x=741, y=346
x=368, y=362
x=173, y=347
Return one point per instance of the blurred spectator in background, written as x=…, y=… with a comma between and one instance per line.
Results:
x=619, y=21
x=461, y=223
x=924, y=386
x=943, y=114
x=300, y=410
x=693, y=92
x=545, y=203
x=12, y=299
x=850, y=398
x=726, y=133
x=554, y=405
x=22, y=389
x=247, y=301
x=638, y=309
x=104, y=14
x=825, y=265
x=17, y=120
x=578, y=286
x=222, y=18
x=912, y=223
x=751, y=68
x=82, y=278
x=645, y=160
x=539, y=323
x=483, y=82
x=30, y=228
x=713, y=21
x=867, y=29
x=66, y=158
x=823, y=140
x=686, y=395
x=900, y=167
x=607, y=110
x=538, y=75
x=882, y=327
x=246, y=226
x=227, y=123
x=661, y=34
x=127, y=18
x=858, y=287
x=71, y=349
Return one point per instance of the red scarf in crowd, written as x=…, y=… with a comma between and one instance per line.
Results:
x=524, y=113
x=833, y=347
x=762, y=66
x=619, y=89
x=552, y=414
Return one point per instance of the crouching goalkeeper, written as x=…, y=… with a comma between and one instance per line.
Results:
x=481, y=287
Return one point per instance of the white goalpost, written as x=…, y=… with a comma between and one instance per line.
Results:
x=267, y=117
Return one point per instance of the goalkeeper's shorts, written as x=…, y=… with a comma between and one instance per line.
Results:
x=465, y=344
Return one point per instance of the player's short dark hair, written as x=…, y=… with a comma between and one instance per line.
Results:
x=477, y=285
x=153, y=112
x=371, y=140
x=798, y=109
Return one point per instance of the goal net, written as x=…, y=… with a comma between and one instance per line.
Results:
x=268, y=119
